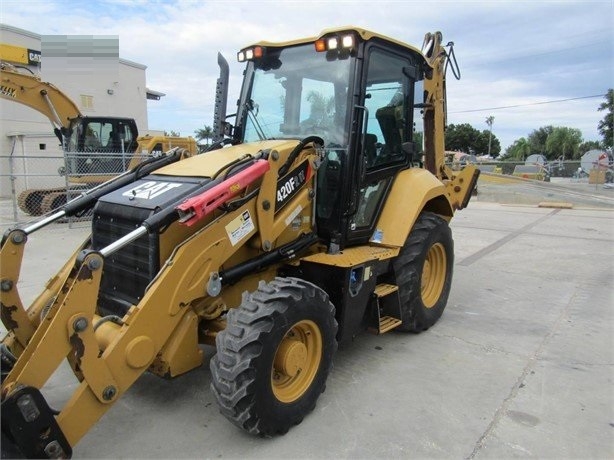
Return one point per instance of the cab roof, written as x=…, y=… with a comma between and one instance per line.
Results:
x=364, y=34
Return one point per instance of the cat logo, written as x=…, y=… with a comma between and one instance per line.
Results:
x=34, y=57
x=150, y=190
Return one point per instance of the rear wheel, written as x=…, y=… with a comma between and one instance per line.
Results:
x=423, y=272
x=274, y=356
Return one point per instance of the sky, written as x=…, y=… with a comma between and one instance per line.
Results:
x=527, y=63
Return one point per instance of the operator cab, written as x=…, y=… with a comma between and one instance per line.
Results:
x=355, y=90
x=98, y=145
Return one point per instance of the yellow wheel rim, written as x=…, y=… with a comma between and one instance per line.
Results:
x=433, y=275
x=296, y=361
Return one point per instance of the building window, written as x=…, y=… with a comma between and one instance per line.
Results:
x=42, y=146
x=87, y=102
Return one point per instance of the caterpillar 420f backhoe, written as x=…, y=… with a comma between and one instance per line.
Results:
x=319, y=217
x=96, y=148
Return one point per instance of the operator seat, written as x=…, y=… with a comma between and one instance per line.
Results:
x=389, y=119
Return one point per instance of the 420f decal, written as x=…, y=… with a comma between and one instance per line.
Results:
x=290, y=184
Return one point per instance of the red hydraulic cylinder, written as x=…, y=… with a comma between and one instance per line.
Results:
x=195, y=208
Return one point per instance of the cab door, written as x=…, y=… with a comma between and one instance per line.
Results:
x=385, y=145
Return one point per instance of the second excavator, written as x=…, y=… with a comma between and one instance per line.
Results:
x=95, y=148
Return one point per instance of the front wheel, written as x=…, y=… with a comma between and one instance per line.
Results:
x=274, y=356
x=423, y=271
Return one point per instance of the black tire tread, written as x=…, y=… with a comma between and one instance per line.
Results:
x=406, y=270
x=240, y=344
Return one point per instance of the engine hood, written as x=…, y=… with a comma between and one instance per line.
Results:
x=207, y=164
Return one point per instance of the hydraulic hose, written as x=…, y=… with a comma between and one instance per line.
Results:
x=298, y=149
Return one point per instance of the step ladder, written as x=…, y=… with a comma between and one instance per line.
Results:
x=387, y=315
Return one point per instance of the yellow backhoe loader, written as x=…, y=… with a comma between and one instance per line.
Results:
x=315, y=217
x=95, y=148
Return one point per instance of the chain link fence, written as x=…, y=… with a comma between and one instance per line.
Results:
x=33, y=185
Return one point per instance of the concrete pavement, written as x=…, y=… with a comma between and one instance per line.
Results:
x=521, y=364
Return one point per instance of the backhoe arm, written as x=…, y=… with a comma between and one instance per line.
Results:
x=41, y=96
x=460, y=185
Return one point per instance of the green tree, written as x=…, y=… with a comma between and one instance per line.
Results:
x=418, y=138
x=205, y=134
x=321, y=108
x=606, y=125
x=486, y=141
x=564, y=142
x=461, y=138
x=519, y=150
x=589, y=145
x=465, y=138
x=537, y=139
x=172, y=133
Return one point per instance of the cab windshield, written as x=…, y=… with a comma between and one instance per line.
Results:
x=296, y=92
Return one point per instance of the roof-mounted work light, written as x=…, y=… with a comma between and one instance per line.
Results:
x=339, y=42
x=248, y=54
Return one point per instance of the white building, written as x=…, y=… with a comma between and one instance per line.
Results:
x=86, y=68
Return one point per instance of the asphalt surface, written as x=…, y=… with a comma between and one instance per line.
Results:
x=521, y=364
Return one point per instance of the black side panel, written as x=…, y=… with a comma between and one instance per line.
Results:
x=128, y=271
x=349, y=289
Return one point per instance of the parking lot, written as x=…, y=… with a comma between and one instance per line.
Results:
x=521, y=364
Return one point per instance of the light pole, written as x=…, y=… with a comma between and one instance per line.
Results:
x=489, y=121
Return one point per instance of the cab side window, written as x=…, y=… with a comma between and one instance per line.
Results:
x=388, y=102
x=388, y=96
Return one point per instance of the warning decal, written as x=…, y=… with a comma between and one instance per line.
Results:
x=239, y=227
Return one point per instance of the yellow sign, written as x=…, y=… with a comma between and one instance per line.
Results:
x=19, y=54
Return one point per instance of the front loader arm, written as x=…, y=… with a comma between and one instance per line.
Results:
x=160, y=333
x=107, y=358
x=64, y=331
x=20, y=323
x=13, y=315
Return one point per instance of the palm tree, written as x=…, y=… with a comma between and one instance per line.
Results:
x=489, y=121
x=205, y=134
x=564, y=141
x=520, y=149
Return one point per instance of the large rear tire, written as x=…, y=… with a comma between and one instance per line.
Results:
x=423, y=272
x=274, y=356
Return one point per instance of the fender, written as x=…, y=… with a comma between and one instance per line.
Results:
x=412, y=191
